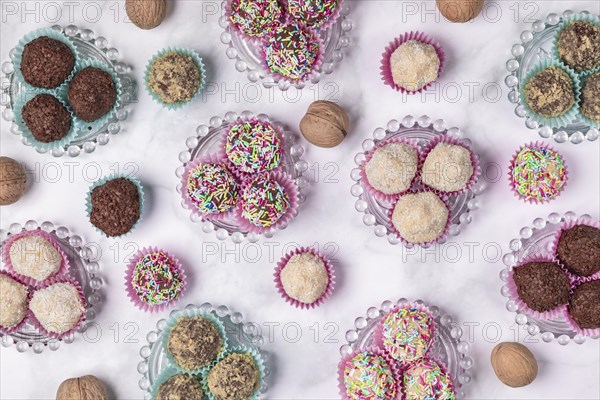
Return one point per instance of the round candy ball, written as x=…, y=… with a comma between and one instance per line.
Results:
x=13, y=181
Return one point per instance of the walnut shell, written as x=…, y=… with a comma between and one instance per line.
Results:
x=325, y=124
x=514, y=364
x=13, y=181
x=459, y=10
x=83, y=388
x=146, y=14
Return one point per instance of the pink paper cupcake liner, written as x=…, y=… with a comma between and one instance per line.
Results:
x=386, y=68
x=130, y=270
x=442, y=366
x=290, y=188
x=456, y=142
x=568, y=225
x=20, y=324
x=38, y=324
x=212, y=158
x=378, y=337
x=330, y=273
x=64, y=264
x=511, y=167
x=573, y=325
x=377, y=194
x=243, y=35
x=440, y=238
x=397, y=375
x=513, y=293
x=325, y=25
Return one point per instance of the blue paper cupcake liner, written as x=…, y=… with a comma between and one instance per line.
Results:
x=561, y=120
x=258, y=361
x=192, y=313
x=187, y=52
x=165, y=375
x=566, y=22
x=53, y=34
x=583, y=118
x=21, y=100
x=102, y=181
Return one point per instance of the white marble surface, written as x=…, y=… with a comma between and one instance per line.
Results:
x=369, y=269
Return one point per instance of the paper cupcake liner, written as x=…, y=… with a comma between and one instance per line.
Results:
x=164, y=375
x=255, y=40
x=239, y=349
x=290, y=188
x=53, y=34
x=316, y=66
x=395, y=370
x=457, y=142
x=565, y=22
x=102, y=181
x=573, y=325
x=330, y=273
x=532, y=200
x=38, y=324
x=581, y=116
x=440, y=238
x=561, y=120
x=324, y=25
x=568, y=225
x=212, y=158
x=513, y=293
x=378, y=337
x=21, y=100
x=20, y=324
x=386, y=67
x=130, y=270
x=192, y=313
x=443, y=368
x=187, y=52
x=64, y=264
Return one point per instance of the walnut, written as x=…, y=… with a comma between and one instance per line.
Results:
x=325, y=124
x=83, y=388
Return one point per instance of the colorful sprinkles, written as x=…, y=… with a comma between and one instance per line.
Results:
x=425, y=380
x=157, y=279
x=312, y=12
x=256, y=18
x=538, y=173
x=253, y=146
x=292, y=51
x=407, y=334
x=264, y=202
x=369, y=376
x=212, y=188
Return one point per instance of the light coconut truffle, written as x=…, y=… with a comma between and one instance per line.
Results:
x=305, y=278
x=13, y=302
x=236, y=377
x=58, y=307
x=414, y=64
x=35, y=257
x=447, y=168
x=392, y=168
x=420, y=217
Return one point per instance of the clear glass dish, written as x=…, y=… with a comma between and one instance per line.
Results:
x=91, y=47
x=238, y=333
x=537, y=44
x=84, y=267
x=538, y=238
x=208, y=139
x=376, y=212
x=447, y=347
x=248, y=56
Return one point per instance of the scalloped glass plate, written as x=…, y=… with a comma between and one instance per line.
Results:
x=248, y=57
x=238, y=333
x=84, y=268
x=423, y=130
x=208, y=140
x=536, y=44
x=538, y=238
x=447, y=348
x=89, y=47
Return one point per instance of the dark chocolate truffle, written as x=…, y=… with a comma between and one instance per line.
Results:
x=550, y=92
x=115, y=207
x=181, y=387
x=590, y=97
x=579, y=249
x=543, y=286
x=194, y=342
x=46, y=62
x=46, y=118
x=92, y=93
x=584, y=306
x=579, y=45
x=235, y=377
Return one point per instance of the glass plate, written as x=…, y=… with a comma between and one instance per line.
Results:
x=238, y=333
x=248, y=57
x=423, y=129
x=538, y=238
x=208, y=141
x=447, y=347
x=89, y=47
x=536, y=44
x=82, y=258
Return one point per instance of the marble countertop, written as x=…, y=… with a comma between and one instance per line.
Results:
x=305, y=344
